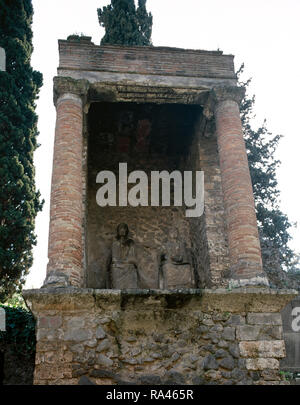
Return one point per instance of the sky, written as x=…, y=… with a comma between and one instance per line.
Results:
x=262, y=34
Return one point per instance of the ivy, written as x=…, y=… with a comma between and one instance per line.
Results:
x=20, y=331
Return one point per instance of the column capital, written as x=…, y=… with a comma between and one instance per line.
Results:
x=67, y=85
x=220, y=94
x=224, y=93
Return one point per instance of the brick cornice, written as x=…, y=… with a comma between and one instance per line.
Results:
x=64, y=85
x=220, y=94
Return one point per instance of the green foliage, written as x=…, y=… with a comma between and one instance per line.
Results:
x=124, y=24
x=19, y=201
x=294, y=269
x=261, y=146
x=16, y=301
x=20, y=331
x=286, y=375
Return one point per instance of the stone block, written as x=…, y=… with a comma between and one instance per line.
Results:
x=84, y=380
x=208, y=322
x=77, y=335
x=263, y=348
x=50, y=357
x=77, y=348
x=99, y=373
x=104, y=345
x=213, y=375
x=236, y=320
x=75, y=323
x=150, y=380
x=271, y=332
x=262, y=364
x=221, y=316
x=234, y=350
x=55, y=322
x=223, y=344
x=227, y=362
x=217, y=328
x=262, y=382
x=210, y=363
x=46, y=334
x=228, y=333
x=270, y=375
x=100, y=333
x=220, y=354
x=104, y=361
x=238, y=374
x=247, y=332
x=264, y=319
x=202, y=329
x=62, y=371
x=91, y=343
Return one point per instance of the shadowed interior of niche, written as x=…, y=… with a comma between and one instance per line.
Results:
x=148, y=137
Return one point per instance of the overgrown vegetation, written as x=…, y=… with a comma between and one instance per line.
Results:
x=20, y=331
x=19, y=200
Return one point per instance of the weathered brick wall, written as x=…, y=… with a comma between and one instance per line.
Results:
x=84, y=55
x=158, y=337
x=214, y=217
x=208, y=232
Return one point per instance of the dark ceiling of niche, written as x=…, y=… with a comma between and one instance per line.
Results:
x=152, y=129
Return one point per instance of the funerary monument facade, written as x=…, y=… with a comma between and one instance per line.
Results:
x=146, y=294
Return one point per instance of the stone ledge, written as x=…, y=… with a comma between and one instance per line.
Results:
x=240, y=300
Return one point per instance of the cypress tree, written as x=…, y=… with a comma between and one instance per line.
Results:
x=19, y=200
x=124, y=24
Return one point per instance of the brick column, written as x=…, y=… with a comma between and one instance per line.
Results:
x=243, y=238
x=65, y=250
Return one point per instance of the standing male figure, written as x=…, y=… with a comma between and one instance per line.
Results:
x=123, y=268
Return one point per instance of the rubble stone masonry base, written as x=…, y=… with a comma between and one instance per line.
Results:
x=159, y=337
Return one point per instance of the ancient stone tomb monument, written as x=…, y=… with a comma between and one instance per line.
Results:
x=145, y=294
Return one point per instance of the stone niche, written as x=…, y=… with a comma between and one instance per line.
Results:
x=147, y=137
x=154, y=109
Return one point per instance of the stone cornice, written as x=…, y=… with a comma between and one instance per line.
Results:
x=64, y=85
x=239, y=300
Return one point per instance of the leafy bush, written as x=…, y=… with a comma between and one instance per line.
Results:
x=20, y=331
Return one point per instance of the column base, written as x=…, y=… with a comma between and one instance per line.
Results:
x=56, y=279
x=259, y=280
